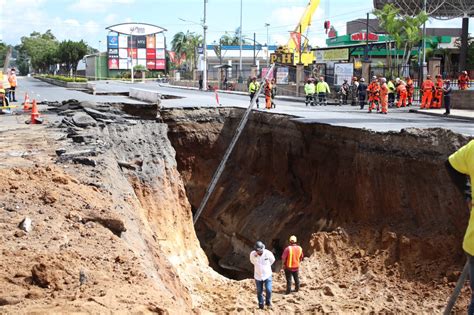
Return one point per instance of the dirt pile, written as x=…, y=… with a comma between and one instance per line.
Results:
x=104, y=237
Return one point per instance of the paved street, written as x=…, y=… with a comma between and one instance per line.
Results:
x=349, y=116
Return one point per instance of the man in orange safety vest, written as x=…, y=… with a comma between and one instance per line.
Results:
x=292, y=255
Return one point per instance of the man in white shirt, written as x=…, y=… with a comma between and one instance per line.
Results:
x=262, y=259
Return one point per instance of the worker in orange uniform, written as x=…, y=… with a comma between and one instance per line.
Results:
x=427, y=87
x=374, y=94
x=410, y=90
x=402, y=93
x=438, y=94
x=291, y=258
x=13, y=83
x=463, y=81
x=384, y=95
x=268, y=94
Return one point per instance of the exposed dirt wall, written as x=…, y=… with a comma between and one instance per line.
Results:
x=288, y=177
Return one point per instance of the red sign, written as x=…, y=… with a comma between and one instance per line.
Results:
x=297, y=39
x=160, y=64
x=151, y=53
x=113, y=64
x=361, y=36
x=151, y=64
x=332, y=32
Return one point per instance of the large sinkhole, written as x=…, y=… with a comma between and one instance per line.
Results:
x=288, y=177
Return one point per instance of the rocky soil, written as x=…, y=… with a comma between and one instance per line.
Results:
x=95, y=217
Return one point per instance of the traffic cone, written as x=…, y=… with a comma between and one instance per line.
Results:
x=34, y=113
x=26, y=103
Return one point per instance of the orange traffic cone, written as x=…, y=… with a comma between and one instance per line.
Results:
x=34, y=113
x=26, y=104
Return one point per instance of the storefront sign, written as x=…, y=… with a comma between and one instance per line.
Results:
x=332, y=54
x=362, y=36
x=282, y=58
x=282, y=75
x=136, y=28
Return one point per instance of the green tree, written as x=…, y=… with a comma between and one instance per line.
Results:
x=39, y=49
x=403, y=29
x=231, y=40
x=187, y=43
x=71, y=53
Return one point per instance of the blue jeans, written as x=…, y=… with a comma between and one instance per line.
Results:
x=268, y=291
x=471, y=283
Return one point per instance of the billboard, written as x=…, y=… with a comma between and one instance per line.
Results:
x=282, y=75
x=343, y=71
x=146, y=50
x=139, y=29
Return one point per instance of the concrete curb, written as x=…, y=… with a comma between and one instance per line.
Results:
x=278, y=97
x=416, y=111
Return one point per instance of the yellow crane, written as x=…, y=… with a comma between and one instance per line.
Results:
x=290, y=53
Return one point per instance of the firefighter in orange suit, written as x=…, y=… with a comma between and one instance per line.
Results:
x=374, y=94
x=410, y=90
x=291, y=258
x=427, y=87
x=402, y=93
x=438, y=94
x=463, y=81
x=384, y=95
x=268, y=94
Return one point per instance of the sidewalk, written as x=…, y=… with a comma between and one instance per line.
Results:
x=465, y=114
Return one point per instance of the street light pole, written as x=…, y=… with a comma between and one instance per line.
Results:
x=366, y=52
x=268, y=44
x=204, y=26
x=240, y=42
x=99, y=58
x=131, y=55
x=254, y=62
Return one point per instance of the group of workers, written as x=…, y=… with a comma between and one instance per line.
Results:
x=8, y=91
x=269, y=90
x=263, y=259
x=319, y=89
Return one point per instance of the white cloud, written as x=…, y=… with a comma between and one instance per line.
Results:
x=111, y=18
x=97, y=5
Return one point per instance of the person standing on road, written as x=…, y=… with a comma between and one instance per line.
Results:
x=13, y=83
x=362, y=92
x=200, y=83
x=460, y=164
x=438, y=94
x=309, y=90
x=463, y=81
x=402, y=93
x=262, y=260
x=354, y=91
x=291, y=258
x=374, y=94
x=274, y=92
x=384, y=95
x=391, y=93
x=268, y=94
x=410, y=90
x=322, y=88
x=254, y=86
x=427, y=87
x=344, y=92
x=447, y=97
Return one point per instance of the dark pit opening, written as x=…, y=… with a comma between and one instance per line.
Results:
x=346, y=193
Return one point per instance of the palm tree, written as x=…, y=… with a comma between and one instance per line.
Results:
x=186, y=43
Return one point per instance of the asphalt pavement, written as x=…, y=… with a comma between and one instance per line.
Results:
x=346, y=115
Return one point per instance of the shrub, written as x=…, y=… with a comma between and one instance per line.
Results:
x=65, y=79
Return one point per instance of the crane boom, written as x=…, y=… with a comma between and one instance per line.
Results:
x=305, y=21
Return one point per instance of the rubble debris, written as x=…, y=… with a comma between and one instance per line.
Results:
x=85, y=161
x=83, y=120
x=26, y=225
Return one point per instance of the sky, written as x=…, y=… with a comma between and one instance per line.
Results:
x=87, y=19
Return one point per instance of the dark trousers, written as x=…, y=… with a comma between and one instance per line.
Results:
x=292, y=274
x=12, y=95
x=322, y=99
x=309, y=99
x=362, y=100
x=447, y=103
x=252, y=94
x=391, y=99
x=470, y=310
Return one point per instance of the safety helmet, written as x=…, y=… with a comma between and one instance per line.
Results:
x=428, y=76
x=383, y=80
x=259, y=246
x=292, y=239
x=2, y=91
x=374, y=77
x=362, y=80
x=465, y=72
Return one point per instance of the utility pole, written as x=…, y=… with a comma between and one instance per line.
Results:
x=254, y=62
x=366, y=52
x=99, y=59
x=240, y=39
x=131, y=54
x=268, y=44
x=299, y=48
x=423, y=43
x=204, y=74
